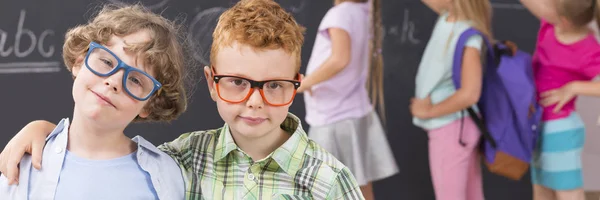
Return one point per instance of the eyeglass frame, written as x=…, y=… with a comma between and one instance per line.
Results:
x=254, y=84
x=121, y=65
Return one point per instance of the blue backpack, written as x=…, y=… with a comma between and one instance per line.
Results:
x=509, y=113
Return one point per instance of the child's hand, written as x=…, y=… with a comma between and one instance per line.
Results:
x=420, y=108
x=31, y=139
x=304, y=87
x=558, y=97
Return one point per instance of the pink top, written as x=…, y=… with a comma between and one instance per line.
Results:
x=555, y=64
x=344, y=95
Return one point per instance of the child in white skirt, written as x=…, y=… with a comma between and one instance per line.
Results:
x=346, y=55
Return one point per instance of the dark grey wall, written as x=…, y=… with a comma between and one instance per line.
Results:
x=35, y=85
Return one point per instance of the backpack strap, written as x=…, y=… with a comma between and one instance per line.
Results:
x=458, y=54
x=457, y=73
x=482, y=127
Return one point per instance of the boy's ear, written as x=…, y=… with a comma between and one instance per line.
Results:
x=77, y=66
x=210, y=82
x=145, y=113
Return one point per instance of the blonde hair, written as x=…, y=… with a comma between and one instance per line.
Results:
x=375, y=82
x=479, y=12
x=261, y=24
x=579, y=12
x=375, y=78
x=164, y=53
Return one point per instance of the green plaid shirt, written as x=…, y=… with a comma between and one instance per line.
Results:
x=215, y=168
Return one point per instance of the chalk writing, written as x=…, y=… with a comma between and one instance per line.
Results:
x=27, y=36
x=29, y=67
x=201, y=29
x=405, y=33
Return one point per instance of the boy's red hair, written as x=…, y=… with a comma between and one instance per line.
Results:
x=260, y=24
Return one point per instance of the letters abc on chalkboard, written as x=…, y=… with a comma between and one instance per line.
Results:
x=20, y=45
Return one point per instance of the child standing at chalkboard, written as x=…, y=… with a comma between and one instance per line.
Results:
x=437, y=107
x=345, y=58
x=566, y=59
x=127, y=65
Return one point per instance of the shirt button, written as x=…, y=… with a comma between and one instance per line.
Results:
x=58, y=150
x=533, y=127
x=251, y=177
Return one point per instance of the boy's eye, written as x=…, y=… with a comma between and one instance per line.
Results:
x=273, y=85
x=107, y=62
x=135, y=80
x=239, y=82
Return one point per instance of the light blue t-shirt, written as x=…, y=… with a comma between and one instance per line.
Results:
x=434, y=77
x=147, y=173
x=120, y=178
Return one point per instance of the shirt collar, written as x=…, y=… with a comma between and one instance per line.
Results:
x=225, y=143
x=61, y=128
x=145, y=146
x=288, y=156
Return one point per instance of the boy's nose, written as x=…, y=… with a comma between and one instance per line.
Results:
x=114, y=81
x=255, y=100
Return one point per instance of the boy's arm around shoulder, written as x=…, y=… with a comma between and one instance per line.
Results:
x=345, y=187
x=30, y=139
x=178, y=147
x=183, y=149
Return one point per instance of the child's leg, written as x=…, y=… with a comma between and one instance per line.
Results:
x=367, y=191
x=451, y=163
x=435, y=164
x=543, y=193
x=556, y=165
x=475, y=184
x=576, y=194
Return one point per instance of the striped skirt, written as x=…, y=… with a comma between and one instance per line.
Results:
x=557, y=160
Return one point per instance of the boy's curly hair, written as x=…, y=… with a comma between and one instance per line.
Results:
x=164, y=54
x=260, y=24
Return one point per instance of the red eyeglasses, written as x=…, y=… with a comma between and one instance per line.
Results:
x=235, y=89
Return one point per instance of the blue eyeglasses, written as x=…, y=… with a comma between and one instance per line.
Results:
x=137, y=83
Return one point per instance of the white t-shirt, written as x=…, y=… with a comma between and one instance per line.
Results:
x=434, y=77
x=344, y=95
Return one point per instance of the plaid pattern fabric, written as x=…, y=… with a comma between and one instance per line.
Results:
x=215, y=168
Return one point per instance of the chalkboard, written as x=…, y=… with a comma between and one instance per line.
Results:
x=35, y=84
